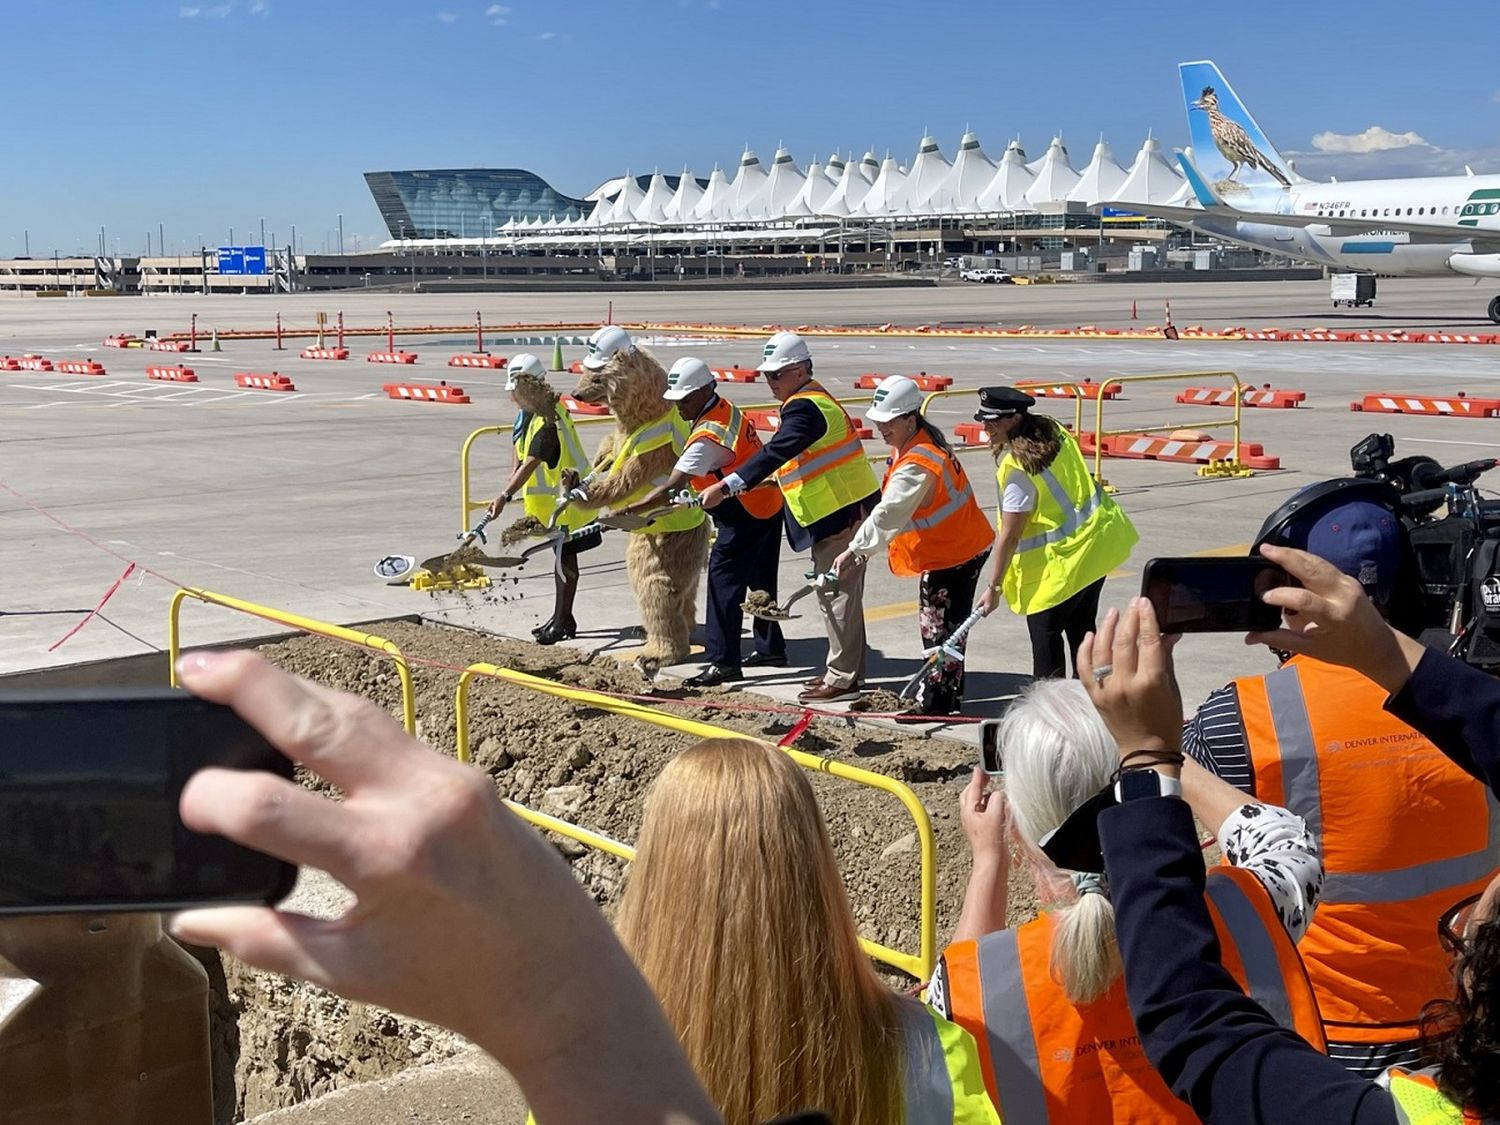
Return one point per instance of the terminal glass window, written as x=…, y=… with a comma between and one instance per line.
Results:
x=465, y=202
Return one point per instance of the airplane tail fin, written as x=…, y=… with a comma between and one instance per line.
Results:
x=1229, y=146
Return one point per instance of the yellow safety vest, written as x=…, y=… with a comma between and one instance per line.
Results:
x=539, y=495
x=670, y=429
x=943, y=1083
x=1076, y=534
x=830, y=474
x=1420, y=1102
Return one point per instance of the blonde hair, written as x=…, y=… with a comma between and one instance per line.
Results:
x=1058, y=753
x=737, y=916
x=534, y=394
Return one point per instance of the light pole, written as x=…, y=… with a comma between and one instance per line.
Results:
x=341, y=232
x=262, y=230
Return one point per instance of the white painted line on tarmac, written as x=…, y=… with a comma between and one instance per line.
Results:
x=1450, y=441
x=44, y=405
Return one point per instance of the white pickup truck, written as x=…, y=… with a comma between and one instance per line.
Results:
x=989, y=276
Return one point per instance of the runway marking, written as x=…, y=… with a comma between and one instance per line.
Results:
x=1450, y=441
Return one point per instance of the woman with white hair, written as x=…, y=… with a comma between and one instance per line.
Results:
x=1045, y=1000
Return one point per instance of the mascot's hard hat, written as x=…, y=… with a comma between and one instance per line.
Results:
x=605, y=344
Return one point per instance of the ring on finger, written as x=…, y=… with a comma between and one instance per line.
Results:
x=1102, y=672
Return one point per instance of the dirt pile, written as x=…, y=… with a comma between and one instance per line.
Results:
x=524, y=528
x=593, y=768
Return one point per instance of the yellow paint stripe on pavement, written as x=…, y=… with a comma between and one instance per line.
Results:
x=907, y=609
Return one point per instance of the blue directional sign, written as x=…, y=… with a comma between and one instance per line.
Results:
x=248, y=260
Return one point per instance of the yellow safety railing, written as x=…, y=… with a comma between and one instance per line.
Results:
x=919, y=966
x=1216, y=422
x=295, y=621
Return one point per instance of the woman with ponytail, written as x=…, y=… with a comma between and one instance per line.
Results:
x=1045, y=1000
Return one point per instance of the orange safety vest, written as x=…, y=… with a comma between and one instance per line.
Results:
x=1048, y=1060
x=725, y=425
x=948, y=529
x=1405, y=835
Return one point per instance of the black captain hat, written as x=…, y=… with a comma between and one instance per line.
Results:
x=998, y=402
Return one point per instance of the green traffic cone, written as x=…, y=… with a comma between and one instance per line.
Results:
x=557, y=363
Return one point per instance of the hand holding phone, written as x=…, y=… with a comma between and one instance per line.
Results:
x=1208, y=595
x=89, y=788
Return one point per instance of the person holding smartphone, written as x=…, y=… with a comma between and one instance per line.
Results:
x=1405, y=831
x=1060, y=533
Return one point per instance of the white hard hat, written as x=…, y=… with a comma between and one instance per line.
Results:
x=524, y=362
x=688, y=374
x=605, y=344
x=783, y=350
x=894, y=396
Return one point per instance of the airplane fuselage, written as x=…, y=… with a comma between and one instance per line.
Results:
x=1466, y=206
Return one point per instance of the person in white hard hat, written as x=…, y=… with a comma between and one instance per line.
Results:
x=747, y=546
x=819, y=462
x=930, y=526
x=547, y=445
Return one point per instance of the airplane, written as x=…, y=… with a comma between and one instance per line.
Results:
x=1246, y=193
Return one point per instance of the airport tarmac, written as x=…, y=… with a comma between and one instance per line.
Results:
x=287, y=499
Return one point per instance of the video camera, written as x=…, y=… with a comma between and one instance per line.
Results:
x=1453, y=535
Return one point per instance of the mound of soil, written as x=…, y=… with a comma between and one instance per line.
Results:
x=593, y=768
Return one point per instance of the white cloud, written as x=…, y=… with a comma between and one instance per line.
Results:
x=446, y=17
x=1373, y=139
x=188, y=13
x=260, y=7
x=497, y=13
x=547, y=35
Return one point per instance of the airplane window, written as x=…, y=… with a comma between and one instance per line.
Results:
x=1408, y=210
x=1445, y=210
x=1361, y=212
x=1387, y=210
x=1421, y=210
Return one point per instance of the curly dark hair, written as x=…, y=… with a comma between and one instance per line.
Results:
x=1461, y=1036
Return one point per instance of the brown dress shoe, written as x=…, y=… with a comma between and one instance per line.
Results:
x=816, y=681
x=828, y=693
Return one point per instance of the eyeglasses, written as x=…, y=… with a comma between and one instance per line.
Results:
x=1453, y=926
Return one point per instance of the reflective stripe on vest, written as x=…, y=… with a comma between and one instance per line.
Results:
x=539, y=495
x=832, y=472
x=668, y=430
x=808, y=467
x=926, y=1084
x=1007, y=1024
x=1073, y=517
x=958, y=495
x=1263, y=981
x=1299, y=770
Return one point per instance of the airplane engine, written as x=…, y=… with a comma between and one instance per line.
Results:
x=1475, y=265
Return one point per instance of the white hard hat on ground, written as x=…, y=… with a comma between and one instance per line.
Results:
x=688, y=374
x=894, y=396
x=605, y=344
x=524, y=362
x=783, y=350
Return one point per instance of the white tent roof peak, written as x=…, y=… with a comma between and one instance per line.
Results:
x=747, y=184
x=848, y=194
x=1007, y=189
x=971, y=173
x=1102, y=178
x=712, y=207
x=814, y=193
x=869, y=166
x=624, y=207
x=1151, y=178
x=653, y=205
x=685, y=199
x=782, y=185
x=928, y=172
x=887, y=192
x=1055, y=177
x=834, y=169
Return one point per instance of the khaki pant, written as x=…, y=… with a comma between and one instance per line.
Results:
x=843, y=612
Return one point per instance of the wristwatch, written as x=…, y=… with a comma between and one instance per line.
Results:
x=1135, y=784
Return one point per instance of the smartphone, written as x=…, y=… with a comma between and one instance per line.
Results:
x=89, y=785
x=1208, y=595
x=989, y=747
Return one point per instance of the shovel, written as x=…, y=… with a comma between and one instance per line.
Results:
x=933, y=655
x=629, y=521
x=817, y=581
x=439, y=563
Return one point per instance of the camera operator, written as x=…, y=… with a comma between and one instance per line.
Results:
x=1405, y=832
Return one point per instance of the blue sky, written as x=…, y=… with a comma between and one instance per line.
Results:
x=203, y=115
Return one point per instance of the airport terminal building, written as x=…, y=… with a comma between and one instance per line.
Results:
x=435, y=203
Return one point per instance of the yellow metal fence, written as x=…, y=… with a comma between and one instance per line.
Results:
x=294, y=621
x=919, y=965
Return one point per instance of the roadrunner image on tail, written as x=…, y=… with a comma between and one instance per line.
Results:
x=1226, y=138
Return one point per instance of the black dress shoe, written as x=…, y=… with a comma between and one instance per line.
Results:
x=765, y=660
x=544, y=626
x=555, y=632
x=714, y=675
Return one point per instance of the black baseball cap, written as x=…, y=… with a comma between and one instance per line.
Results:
x=998, y=402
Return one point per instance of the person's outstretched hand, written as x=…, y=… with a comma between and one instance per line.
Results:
x=1126, y=668
x=1329, y=618
x=464, y=915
